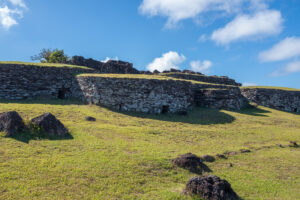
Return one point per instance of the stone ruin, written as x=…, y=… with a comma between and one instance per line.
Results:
x=173, y=91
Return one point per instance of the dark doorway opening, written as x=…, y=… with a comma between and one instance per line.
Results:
x=61, y=94
x=165, y=109
x=296, y=110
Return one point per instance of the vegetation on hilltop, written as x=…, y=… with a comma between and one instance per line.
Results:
x=128, y=155
x=51, y=56
x=271, y=87
x=43, y=64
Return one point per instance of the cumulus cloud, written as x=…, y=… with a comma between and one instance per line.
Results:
x=290, y=68
x=263, y=23
x=177, y=10
x=108, y=59
x=285, y=49
x=246, y=84
x=10, y=15
x=166, y=62
x=202, y=67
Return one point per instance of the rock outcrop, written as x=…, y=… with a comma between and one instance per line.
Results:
x=210, y=188
x=284, y=100
x=11, y=123
x=50, y=125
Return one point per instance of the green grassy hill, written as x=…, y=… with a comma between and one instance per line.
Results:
x=128, y=155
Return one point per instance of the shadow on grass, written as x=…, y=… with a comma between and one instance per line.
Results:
x=254, y=111
x=201, y=116
x=27, y=135
x=46, y=102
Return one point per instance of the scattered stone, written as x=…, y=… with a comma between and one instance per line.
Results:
x=230, y=165
x=11, y=123
x=210, y=188
x=222, y=156
x=293, y=144
x=50, y=125
x=188, y=161
x=90, y=119
x=245, y=151
x=280, y=145
x=208, y=158
x=231, y=153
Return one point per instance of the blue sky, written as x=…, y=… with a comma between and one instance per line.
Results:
x=256, y=42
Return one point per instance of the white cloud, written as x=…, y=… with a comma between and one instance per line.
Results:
x=246, y=84
x=199, y=66
x=108, y=59
x=177, y=10
x=166, y=62
x=202, y=38
x=290, y=68
x=9, y=16
x=18, y=3
x=263, y=23
x=285, y=49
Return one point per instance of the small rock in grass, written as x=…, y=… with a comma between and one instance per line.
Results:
x=90, y=119
x=293, y=144
x=11, y=123
x=230, y=165
x=280, y=145
x=208, y=158
x=188, y=161
x=210, y=188
x=245, y=151
x=222, y=156
x=50, y=125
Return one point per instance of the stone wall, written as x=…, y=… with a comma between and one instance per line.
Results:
x=109, y=67
x=18, y=82
x=209, y=79
x=230, y=99
x=142, y=95
x=274, y=98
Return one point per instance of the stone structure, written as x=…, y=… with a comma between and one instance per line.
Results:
x=133, y=94
x=143, y=93
x=230, y=98
x=284, y=100
x=109, y=67
x=208, y=79
x=19, y=82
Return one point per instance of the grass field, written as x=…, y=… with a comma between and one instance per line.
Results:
x=43, y=64
x=128, y=155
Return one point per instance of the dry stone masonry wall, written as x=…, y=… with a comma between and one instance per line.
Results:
x=274, y=98
x=208, y=79
x=142, y=95
x=19, y=82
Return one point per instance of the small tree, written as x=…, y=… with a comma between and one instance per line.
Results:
x=58, y=56
x=51, y=56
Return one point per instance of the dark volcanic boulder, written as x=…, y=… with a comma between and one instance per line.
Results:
x=208, y=158
x=50, y=125
x=90, y=119
x=189, y=161
x=11, y=123
x=210, y=188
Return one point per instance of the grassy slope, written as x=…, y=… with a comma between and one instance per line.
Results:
x=272, y=87
x=43, y=64
x=127, y=155
x=143, y=76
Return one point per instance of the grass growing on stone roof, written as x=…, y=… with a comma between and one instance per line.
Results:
x=144, y=76
x=128, y=155
x=202, y=75
x=43, y=64
x=271, y=87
